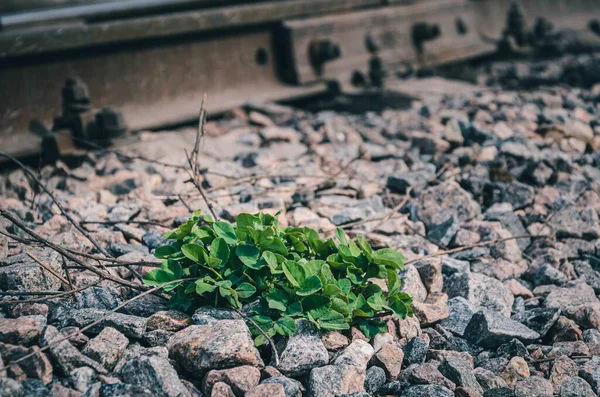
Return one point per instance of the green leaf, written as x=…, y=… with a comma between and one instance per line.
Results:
x=310, y=286
x=393, y=282
x=365, y=247
x=341, y=236
x=377, y=301
x=333, y=321
x=312, y=268
x=361, y=308
x=340, y=306
x=356, y=275
x=272, y=263
x=372, y=327
x=277, y=300
x=345, y=285
x=244, y=221
x=331, y=290
x=389, y=257
x=285, y=326
x=245, y=290
x=194, y=252
x=226, y=232
x=202, y=287
x=400, y=309
x=293, y=272
x=316, y=305
x=295, y=309
x=164, y=252
x=248, y=254
x=219, y=250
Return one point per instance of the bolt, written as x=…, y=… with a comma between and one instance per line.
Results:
x=594, y=26
x=422, y=32
x=75, y=97
x=323, y=51
x=110, y=123
x=377, y=72
x=515, y=24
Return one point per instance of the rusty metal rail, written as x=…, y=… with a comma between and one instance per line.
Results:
x=151, y=61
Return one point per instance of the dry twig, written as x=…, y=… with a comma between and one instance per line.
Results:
x=17, y=222
x=100, y=319
x=58, y=204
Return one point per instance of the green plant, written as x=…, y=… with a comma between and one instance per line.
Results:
x=281, y=274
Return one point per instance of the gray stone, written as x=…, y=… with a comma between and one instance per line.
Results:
x=291, y=387
x=335, y=380
x=107, y=347
x=571, y=221
x=302, y=351
x=572, y=299
x=153, y=239
x=154, y=373
x=129, y=325
x=158, y=337
x=21, y=273
x=460, y=314
x=82, y=378
x=375, y=378
x=64, y=354
x=20, y=331
x=591, y=336
x=415, y=179
x=135, y=351
x=489, y=330
x=426, y=391
x=481, y=291
x=576, y=387
x=412, y=283
x=487, y=379
x=590, y=371
x=358, y=353
x=103, y=298
x=222, y=344
x=445, y=200
x=460, y=372
x=11, y=388
x=207, y=314
x=534, y=386
x=539, y=320
x=547, y=274
x=444, y=232
x=425, y=374
x=415, y=351
x=120, y=390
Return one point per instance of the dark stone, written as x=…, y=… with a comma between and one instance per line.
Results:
x=374, y=380
x=590, y=371
x=153, y=239
x=576, y=387
x=547, y=274
x=291, y=387
x=415, y=351
x=514, y=348
x=461, y=312
x=499, y=392
x=444, y=232
x=426, y=391
x=534, y=386
x=460, y=372
x=120, y=249
x=488, y=329
x=539, y=320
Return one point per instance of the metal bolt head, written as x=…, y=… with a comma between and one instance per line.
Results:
x=110, y=122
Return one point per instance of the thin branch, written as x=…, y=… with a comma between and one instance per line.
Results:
x=58, y=204
x=17, y=222
x=43, y=299
x=482, y=244
x=49, y=269
x=271, y=343
x=108, y=223
x=194, y=162
x=99, y=320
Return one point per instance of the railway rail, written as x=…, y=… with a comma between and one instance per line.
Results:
x=147, y=63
